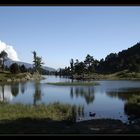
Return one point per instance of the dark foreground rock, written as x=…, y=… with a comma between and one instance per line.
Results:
x=47, y=126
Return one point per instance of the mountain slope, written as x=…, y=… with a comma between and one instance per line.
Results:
x=27, y=65
x=126, y=59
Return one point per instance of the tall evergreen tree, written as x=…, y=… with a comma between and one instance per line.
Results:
x=37, y=62
x=34, y=60
x=3, y=56
x=89, y=62
x=72, y=66
x=14, y=68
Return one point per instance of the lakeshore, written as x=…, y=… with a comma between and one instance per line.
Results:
x=56, y=119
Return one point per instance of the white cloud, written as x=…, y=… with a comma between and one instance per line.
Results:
x=10, y=51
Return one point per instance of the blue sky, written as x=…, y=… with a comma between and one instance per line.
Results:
x=61, y=33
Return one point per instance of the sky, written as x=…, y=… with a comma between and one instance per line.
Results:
x=59, y=33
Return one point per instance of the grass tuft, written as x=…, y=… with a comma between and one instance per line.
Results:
x=55, y=111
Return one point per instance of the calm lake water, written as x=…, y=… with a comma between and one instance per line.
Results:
x=107, y=99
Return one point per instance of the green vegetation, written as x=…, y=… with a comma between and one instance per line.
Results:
x=17, y=72
x=3, y=75
x=19, y=118
x=37, y=62
x=74, y=84
x=122, y=65
x=14, y=68
x=6, y=76
x=122, y=75
x=113, y=63
x=3, y=57
x=55, y=119
x=132, y=107
x=54, y=111
x=135, y=100
x=127, y=74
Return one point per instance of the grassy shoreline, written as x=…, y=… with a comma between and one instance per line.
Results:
x=55, y=111
x=55, y=119
x=132, y=106
x=122, y=75
x=7, y=77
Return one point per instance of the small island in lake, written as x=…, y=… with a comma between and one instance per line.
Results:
x=74, y=83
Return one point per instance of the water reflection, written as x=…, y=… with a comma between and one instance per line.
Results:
x=131, y=104
x=85, y=92
x=5, y=93
x=123, y=95
x=132, y=107
x=23, y=86
x=2, y=98
x=15, y=89
x=37, y=94
x=108, y=100
x=81, y=111
x=77, y=113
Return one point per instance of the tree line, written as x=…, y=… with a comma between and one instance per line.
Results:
x=125, y=60
x=15, y=68
x=88, y=66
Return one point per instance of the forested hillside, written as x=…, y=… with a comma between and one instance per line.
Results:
x=127, y=59
x=114, y=62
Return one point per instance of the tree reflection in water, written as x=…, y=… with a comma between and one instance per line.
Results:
x=2, y=98
x=123, y=95
x=15, y=89
x=132, y=107
x=80, y=111
x=132, y=103
x=23, y=85
x=37, y=94
x=77, y=112
x=85, y=92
